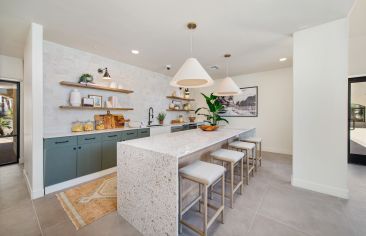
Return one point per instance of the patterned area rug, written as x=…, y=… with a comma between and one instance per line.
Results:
x=89, y=202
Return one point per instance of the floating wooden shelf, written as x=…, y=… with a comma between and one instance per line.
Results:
x=179, y=110
x=97, y=108
x=180, y=98
x=95, y=86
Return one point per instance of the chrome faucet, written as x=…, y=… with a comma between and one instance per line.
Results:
x=151, y=115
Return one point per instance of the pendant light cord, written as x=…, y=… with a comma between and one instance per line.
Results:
x=227, y=67
x=191, y=43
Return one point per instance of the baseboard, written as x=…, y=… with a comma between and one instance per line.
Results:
x=337, y=192
x=34, y=194
x=279, y=151
x=77, y=181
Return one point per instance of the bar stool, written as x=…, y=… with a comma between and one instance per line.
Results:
x=232, y=159
x=248, y=149
x=258, y=148
x=205, y=174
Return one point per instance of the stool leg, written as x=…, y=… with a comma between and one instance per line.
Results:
x=205, y=218
x=255, y=154
x=180, y=203
x=200, y=194
x=241, y=175
x=254, y=158
x=231, y=185
x=260, y=153
x=247, y=161
x=223, y=196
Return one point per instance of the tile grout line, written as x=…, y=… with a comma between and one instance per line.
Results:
x=35, y=212
x=284, y=224
x=256, y=211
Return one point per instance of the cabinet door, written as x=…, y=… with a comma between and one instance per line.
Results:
x=109, y=150
x=143, y=133
x=89, y=158
x=59, y=163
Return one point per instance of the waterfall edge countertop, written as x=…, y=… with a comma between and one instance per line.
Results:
x=180, y=144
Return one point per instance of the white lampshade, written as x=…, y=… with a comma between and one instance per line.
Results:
x=191, y=75
x=227, y=87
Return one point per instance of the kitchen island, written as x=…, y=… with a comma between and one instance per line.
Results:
x=147, y=173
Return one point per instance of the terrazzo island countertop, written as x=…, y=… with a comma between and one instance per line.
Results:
x=180, y=144
x=147, y=175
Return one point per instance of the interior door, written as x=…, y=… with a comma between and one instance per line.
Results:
x=357, y=121
x=9, y=122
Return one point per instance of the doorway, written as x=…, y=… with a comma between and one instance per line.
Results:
x=9, y=122
x=356, y=120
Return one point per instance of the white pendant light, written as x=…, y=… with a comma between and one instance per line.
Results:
x=191, y=74
x=227, y=87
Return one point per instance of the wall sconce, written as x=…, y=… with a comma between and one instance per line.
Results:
x=106, y=75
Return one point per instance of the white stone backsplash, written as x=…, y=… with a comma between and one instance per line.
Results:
x=62, y=63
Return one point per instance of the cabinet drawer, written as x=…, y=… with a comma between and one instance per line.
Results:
x=111, y=136
x=130, y=134
x=143, y=132
x=60, y=142
x=91, y=138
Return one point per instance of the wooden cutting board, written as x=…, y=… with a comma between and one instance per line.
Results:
x=111, y=121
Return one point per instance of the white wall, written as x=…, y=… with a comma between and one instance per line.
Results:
x=65, y=63
x=11, y=68
x=274, y=121
x=33, y=110
x=320, y=108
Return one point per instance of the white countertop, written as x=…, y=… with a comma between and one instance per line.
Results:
x=180, y=144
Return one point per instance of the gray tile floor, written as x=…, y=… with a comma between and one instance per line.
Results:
x=269, y=206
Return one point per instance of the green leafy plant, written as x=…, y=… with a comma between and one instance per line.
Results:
x=161, y=116
x=86, y=78
x=4, y=124
x=214, y=107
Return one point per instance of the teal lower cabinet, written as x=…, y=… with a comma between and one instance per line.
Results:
x=89, y=158
x=60, y=158
x=109, y=150
x=66, y=158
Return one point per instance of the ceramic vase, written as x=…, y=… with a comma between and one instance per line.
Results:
x=75, y=98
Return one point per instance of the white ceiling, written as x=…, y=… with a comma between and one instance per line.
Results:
x=256, y=32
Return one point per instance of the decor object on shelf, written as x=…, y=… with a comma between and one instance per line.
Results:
x=106, y=75
x=98, y=100
x=243, y=105
x=85, y=78
x=113, y=85
x=180, y=117
x=227, y=87
x=191, y=74
x=192, y=118
x=88, y=102
x=75, y=98
x=171, y=105
x=213, y=110
x=161, y=117
x=186, y=93
x=113, y=100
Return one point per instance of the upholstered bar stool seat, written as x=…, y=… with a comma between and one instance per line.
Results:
x=233, y=159
x=205, y=174
x=202, y=172
x=248, y=149
x=258, y=148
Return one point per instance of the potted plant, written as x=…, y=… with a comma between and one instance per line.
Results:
x=86, y=78
x=161, y=117
x=212, y=115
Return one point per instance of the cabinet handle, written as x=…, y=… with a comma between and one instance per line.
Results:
x=62, y=142
x=74, y=148
x=79, y=147
x=111, y=136
x=144, y=132
x=89, y=138
x=130, y=133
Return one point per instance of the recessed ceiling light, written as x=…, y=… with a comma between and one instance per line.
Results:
x=283, y=59
x=135, y=51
